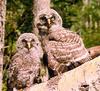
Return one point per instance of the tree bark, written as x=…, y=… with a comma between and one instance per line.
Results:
x=94, y=51
x=39, y=5
x=2, y=29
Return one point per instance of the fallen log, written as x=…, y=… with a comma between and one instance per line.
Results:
x=83, y=78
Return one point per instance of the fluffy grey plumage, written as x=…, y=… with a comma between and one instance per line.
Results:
x=45, y=19
x=25, y=65
x=65, y=49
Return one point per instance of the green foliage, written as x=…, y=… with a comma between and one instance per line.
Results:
x=82, y=18
x=18, y=20
x=69, y=10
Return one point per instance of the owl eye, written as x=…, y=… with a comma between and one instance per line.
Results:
x=32, y=40
x=24, y=41
x=53, y=18
x=43, y=19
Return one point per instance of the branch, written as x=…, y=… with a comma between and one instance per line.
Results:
x=94, y=51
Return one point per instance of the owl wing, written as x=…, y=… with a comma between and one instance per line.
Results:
x=65, y=47
x=24, y=70
x=58, y=54
x=64, y=35
x=13, y=71
x=73, y=42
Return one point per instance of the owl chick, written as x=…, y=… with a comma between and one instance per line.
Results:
x=45, y=19
x=24, y=69
x=65, y=49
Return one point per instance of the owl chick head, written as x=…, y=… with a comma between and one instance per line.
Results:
x=28, y=41
x=46, y=18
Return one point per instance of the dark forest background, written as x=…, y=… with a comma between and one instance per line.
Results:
x=82, y=16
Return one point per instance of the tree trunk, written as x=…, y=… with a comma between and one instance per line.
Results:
x=39, y=5
x=86, y=2
x=2, y=29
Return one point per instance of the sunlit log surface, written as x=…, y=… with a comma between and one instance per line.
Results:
x=83, y=78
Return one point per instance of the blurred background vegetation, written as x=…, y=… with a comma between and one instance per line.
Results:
x=82, y=16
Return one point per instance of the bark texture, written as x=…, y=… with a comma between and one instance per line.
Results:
x=39, y=5
x=2, y=29
x=83, y=78
x=94, y=51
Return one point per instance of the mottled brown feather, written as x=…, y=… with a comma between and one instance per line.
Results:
x=26, y=63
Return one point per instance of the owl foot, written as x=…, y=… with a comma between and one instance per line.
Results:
x=37, y=80
x=61, y=68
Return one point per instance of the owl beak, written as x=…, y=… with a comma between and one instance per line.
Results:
x=28, y=45
x=49, y=21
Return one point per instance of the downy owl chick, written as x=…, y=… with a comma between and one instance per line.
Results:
x=45, y=19
x=24, y=69
x=65, y=49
